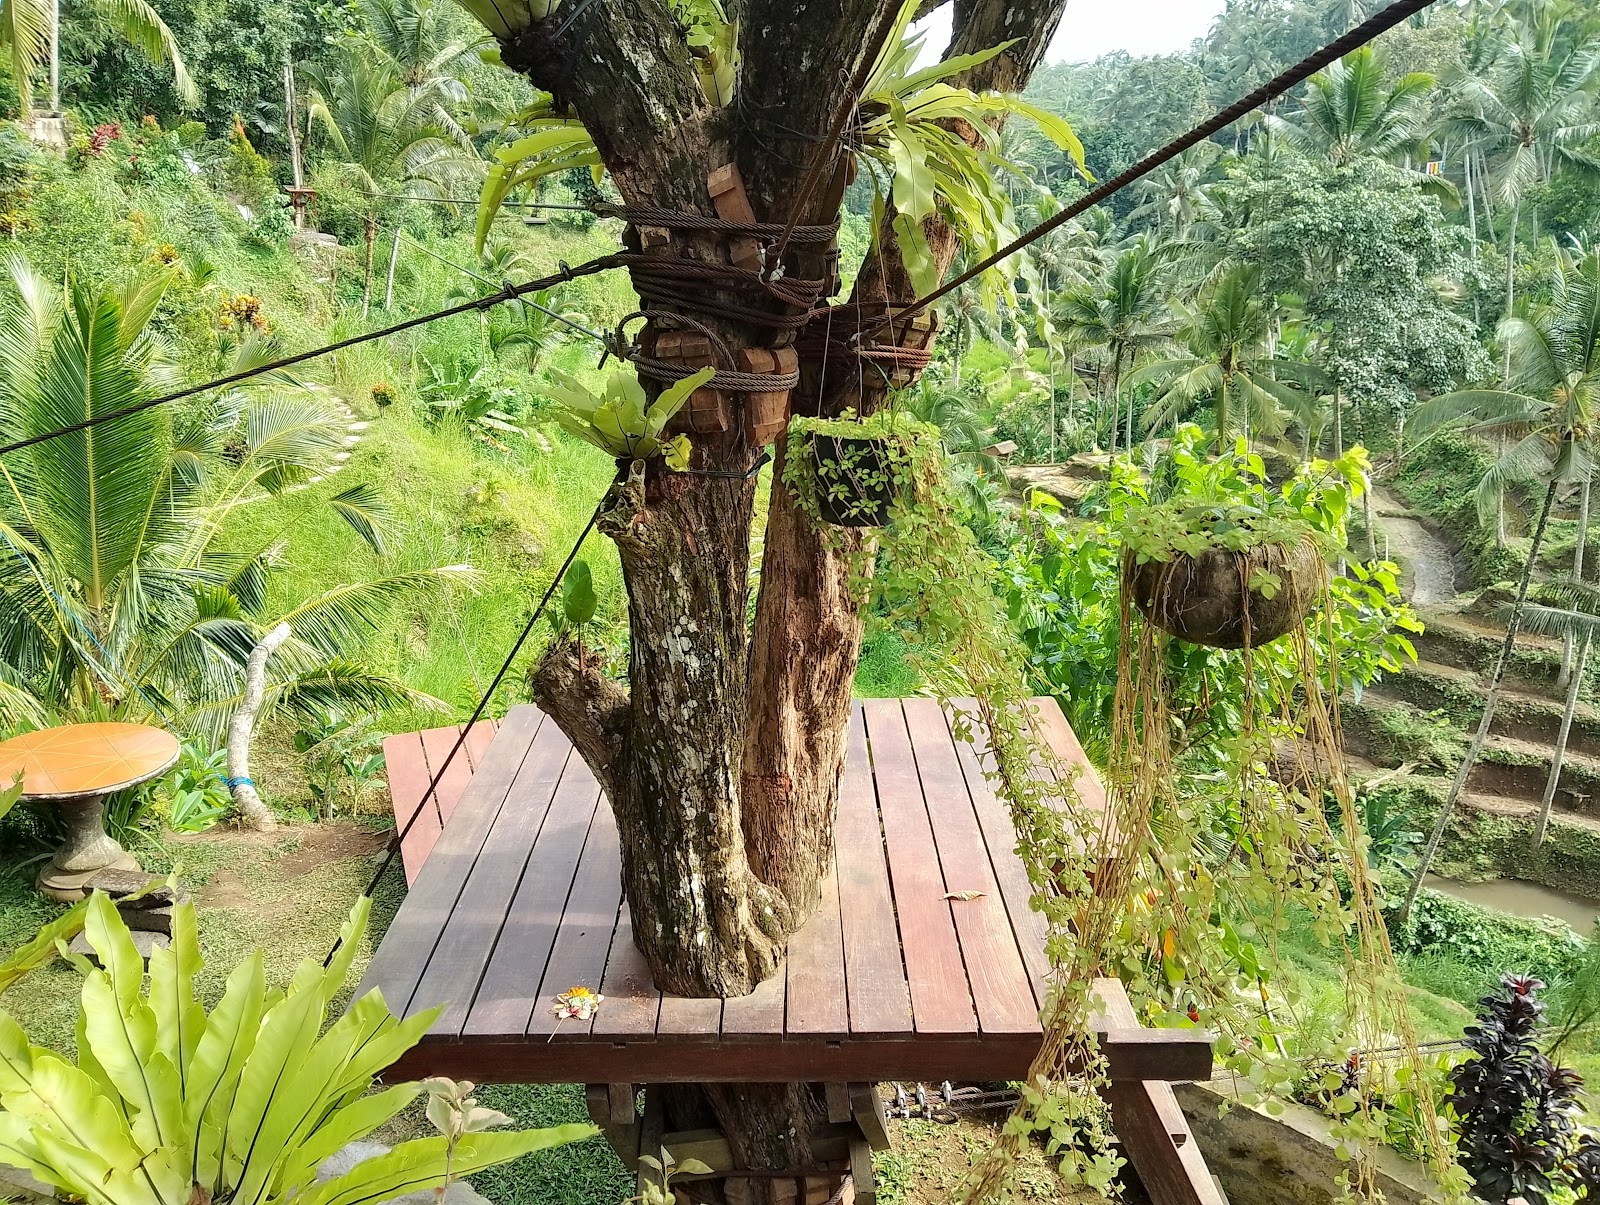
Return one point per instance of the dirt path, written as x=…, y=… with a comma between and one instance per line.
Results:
x=1433, y=569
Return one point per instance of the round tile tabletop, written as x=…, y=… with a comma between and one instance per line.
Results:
x=85, y=759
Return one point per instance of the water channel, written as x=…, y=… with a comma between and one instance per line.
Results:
x=1521, y=898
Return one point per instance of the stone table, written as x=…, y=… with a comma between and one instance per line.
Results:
x=75, y=767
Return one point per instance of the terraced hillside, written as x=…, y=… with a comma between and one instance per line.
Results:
x=1418, y=722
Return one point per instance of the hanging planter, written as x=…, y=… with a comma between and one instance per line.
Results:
x=1226, y=598
x=850, y=472
x=1231, y=561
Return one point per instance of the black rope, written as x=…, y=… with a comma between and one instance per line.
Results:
x=1358, y=37
x=510, y=292
x=477, y=712
x=761, y=462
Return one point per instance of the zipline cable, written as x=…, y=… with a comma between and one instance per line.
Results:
x=511, y=292
x=400, y=196
x=1358, y=37
x=477, y=712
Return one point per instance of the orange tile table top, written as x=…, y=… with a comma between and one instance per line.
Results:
x=85, y=759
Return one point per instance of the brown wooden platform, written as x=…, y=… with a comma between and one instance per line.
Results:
x=520, y=898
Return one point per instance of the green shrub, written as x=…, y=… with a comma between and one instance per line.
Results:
x=1485, y=941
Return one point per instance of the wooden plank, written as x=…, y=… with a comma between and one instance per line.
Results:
x=862, y=1177
x=866, y=1106
x=509, y=991
x=622, y=1100
x=632, y=1002
x=1001, y=991
x=651, y=1127
x=407, y=771
x=578, y=957
x=436, y=746
x=662, y=1059
x=838, y=1100
x=941, y=1001
x=1151, y=1127
x=760, y=1013
x=688, y=1019
x=473, y=927
x=817, y=1004
x=879, y=998
x=1000, y=837
x=403, y=955
x=1051, y=724
x=622, y=1133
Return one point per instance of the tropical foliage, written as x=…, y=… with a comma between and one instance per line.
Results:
x=169, y=1104
x=117, y=598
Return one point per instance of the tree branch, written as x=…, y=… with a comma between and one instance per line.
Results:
x=623, y=66
x=589, y=707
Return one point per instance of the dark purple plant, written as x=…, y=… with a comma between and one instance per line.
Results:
x=1516, y=1110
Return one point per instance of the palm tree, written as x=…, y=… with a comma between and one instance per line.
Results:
x=1230, y=362
x=1174, y=198
x=1546, y=416
x=1124, y=319
x=1350, y=115
x=1531, y=117
x=384, y=127
x=31, y=30
x=1572, y=611
x=116, y=597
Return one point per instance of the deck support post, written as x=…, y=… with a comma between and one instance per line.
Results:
x=839, y=1150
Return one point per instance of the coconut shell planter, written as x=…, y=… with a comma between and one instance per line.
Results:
x=855, y=480
x=1207, y=599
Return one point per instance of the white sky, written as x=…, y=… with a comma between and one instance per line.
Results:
x=1095, y=27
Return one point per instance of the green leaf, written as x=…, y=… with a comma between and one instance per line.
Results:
x=420, y=1164
x=578, y=599
x=41, y=949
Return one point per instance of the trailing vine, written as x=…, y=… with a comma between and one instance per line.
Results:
x=1143, y=891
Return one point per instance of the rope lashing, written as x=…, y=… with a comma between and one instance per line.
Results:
x=234, y=783
x=727, y=379
x=672, y=219
x=845, y=334
x=670, y=282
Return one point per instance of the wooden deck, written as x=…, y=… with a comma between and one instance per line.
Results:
x=520, y=898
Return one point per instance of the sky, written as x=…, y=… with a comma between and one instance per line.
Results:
x=1095, y=27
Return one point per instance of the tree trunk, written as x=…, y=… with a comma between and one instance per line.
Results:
x=241, y=727
x=1511, y=287
x=1490, y=702
x=1560, y=753
x=366, y=283
x=721, y=758
x=1577, y=575
x=388, y=284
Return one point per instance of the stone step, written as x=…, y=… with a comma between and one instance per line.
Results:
x=1509, y=767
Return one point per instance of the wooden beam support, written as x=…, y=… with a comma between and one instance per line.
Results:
x=1151, y=1127
x=621, y=1134
x=838, y=1099
x=867, y=1107
x=861, y=1174
x=651, y=1126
